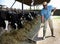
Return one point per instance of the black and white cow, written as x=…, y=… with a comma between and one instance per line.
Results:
x=28, y=16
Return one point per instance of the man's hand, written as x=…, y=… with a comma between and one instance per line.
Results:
x=42, y=25
x=42, y=19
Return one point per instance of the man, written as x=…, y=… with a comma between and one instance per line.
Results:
x=46, y=17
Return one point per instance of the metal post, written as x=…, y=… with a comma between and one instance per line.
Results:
x=13, y=4
x=22, y=6
x=0, y=6
x=34, y=7
x=30, y=8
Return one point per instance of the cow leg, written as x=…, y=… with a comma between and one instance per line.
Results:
x=13, y=25
x=6, y=25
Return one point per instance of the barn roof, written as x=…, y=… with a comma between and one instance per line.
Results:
x=36, y=2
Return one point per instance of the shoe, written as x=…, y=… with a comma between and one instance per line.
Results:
x=52, y=36
x=43, y=38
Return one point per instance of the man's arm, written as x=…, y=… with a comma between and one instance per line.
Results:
x=42, y=16
x=53, y=11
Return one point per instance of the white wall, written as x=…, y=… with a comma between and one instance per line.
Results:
x=55, y=3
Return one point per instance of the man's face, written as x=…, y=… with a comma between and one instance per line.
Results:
x=45, y=4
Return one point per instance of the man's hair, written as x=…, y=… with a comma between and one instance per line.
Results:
x=44, y=3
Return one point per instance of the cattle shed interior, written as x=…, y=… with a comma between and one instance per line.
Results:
x=21, y=26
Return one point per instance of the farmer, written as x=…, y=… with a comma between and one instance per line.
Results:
x=46, y=17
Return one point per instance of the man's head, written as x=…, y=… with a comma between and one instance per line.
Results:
x=45, y=4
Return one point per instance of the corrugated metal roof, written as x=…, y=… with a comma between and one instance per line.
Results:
x=36, y=2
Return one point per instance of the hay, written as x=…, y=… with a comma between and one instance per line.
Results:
x=16, y=36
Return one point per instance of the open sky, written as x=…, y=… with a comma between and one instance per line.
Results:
x=55, y=3
x=7, y=2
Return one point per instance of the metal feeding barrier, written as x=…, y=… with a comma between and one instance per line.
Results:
x=34, y=30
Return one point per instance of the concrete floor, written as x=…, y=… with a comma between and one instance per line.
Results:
x=51, y=40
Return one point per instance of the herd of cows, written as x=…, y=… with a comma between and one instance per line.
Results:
x=15, y=17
